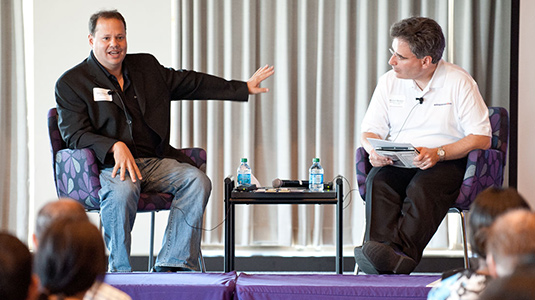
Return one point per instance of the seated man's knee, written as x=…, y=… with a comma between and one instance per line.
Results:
x=121, y=193
x=200, y=180
x=198, y=184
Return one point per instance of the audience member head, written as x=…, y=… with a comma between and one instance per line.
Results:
x=70, y=258
x=16, y=279
x=511, y=240
x=487, y=206
x=62, y=209
x=518, y=286
x=424, y=36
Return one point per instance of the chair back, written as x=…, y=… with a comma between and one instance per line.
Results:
x=485, y=168
x=499, y=122
x=56, y=142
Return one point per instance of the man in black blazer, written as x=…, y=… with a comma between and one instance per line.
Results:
x=118, y=105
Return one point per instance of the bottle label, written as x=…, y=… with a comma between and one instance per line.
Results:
x=244, y=179
x=316, y=178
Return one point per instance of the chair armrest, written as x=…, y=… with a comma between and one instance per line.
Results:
x=198, y=155
x=77, y=176
x=484, y=168
x=363, y=167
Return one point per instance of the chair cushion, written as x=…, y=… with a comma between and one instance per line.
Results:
x=154, y=202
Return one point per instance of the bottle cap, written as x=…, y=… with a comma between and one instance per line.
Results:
x=315, y=159
x=244, y=159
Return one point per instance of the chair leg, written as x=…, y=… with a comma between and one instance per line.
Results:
x=356, y=271
x=465, y=244
x=201, y=262
x=151, y=245
x=99, y=221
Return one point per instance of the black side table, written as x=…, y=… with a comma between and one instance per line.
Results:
x=233, y=197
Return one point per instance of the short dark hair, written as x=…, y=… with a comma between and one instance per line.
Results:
x=15, y=268
x=488, y=205
x=424, y=36
x=105, y=14
x=70, y=258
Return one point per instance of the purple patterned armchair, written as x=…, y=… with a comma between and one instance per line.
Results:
x=484, y=169
x=76, y=176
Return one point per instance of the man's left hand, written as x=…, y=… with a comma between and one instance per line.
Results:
x=427, y=158
x=253, y=84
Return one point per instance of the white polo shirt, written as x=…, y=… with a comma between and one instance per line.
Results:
x=452, y=109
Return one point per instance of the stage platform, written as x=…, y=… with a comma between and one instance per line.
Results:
x=183, y=285
x=246, y=286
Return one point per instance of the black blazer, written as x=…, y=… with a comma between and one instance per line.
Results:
x=86, y=123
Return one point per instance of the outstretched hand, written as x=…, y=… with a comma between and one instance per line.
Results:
x=253, y=84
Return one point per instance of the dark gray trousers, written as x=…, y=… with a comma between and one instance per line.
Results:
x=404, y=207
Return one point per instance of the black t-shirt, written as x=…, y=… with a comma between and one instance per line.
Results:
x=144, y=140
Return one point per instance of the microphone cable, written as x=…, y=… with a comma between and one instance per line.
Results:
x=404, y=122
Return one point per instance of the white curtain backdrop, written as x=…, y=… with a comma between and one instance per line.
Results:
x=14, y=199
x=327, y=55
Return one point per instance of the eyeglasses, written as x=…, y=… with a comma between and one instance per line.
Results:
x=399, y=56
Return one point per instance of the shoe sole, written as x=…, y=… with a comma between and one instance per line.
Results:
x=363, y=262
x=385, y=260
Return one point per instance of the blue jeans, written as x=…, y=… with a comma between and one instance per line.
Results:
x=118, y=206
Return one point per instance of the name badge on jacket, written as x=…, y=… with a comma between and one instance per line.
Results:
x=100, y=94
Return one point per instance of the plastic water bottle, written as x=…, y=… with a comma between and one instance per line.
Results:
x=315, y=181
x=244, y=173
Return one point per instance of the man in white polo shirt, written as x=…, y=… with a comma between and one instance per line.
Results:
x=436, y=106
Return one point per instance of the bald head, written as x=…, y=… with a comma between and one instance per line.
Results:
x=511, y=239
x=62, y=209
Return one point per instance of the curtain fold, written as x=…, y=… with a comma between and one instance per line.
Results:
x=14, y=192
x=328, y=56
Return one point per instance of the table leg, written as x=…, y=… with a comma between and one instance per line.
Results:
x=228, y=231
x=339, y=226
x=232, y=231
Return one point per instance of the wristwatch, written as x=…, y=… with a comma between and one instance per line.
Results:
x=441, y=153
